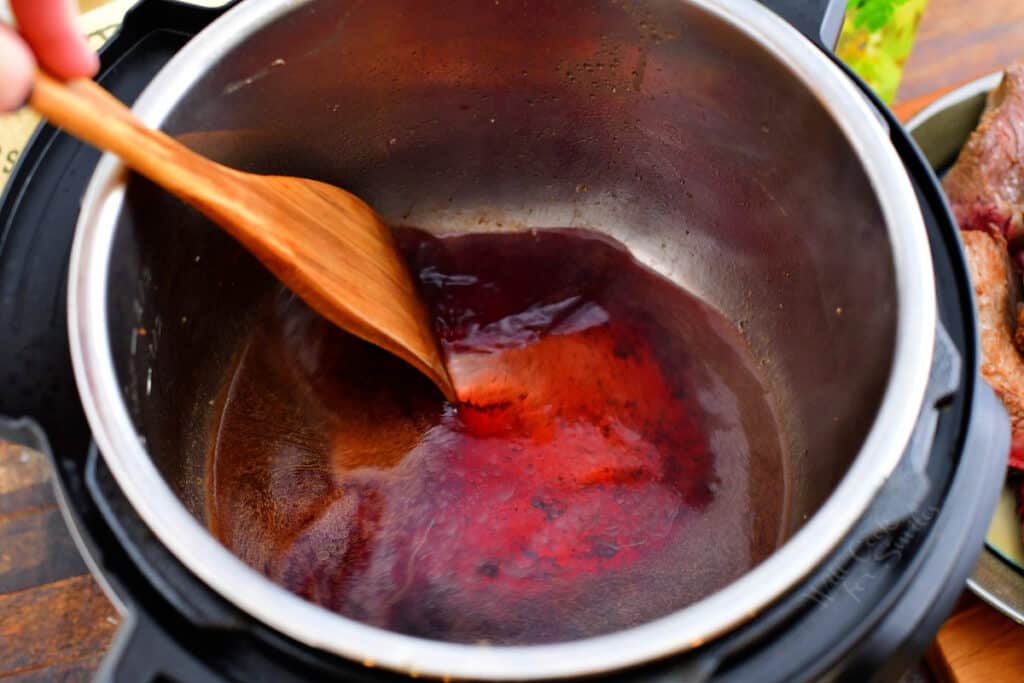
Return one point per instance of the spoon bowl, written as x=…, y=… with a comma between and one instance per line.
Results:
x=324, y=243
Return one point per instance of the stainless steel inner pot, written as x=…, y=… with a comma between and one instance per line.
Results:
x=709, y=136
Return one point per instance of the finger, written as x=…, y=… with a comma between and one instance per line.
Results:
x=16, y=70
x=48, y=26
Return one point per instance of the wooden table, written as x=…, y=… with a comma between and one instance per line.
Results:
x=958, y=41
x=55, y=623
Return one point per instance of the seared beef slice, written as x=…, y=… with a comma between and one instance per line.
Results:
x=986, y=186
x=996, y=290
x=986, y=191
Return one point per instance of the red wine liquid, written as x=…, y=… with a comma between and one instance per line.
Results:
x=614, y=457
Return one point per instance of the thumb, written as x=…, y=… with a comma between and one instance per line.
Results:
x=16, y=70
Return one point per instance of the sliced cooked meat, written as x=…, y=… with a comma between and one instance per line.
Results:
x=985, y=189
x=986, y=186
x=997, y=294
x=1018, y=336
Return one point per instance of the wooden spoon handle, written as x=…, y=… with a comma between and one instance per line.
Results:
x=87, y=111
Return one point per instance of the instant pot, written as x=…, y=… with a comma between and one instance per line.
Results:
x=730, y=153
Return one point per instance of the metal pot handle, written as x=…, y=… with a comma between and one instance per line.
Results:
x=819, y=20
x=143, y=653
x=24, y=431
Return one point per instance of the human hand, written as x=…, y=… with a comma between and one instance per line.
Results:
x=47, y=36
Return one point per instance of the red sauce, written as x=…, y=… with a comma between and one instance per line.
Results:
x=613, y=459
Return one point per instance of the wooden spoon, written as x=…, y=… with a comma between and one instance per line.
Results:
x=325, y=244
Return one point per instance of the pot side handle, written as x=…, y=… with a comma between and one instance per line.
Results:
x=819, y=20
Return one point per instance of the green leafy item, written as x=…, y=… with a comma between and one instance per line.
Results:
x=877, y=38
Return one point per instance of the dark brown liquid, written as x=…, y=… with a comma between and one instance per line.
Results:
x=614, y=458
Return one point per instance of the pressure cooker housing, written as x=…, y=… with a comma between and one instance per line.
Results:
x=883, y=556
